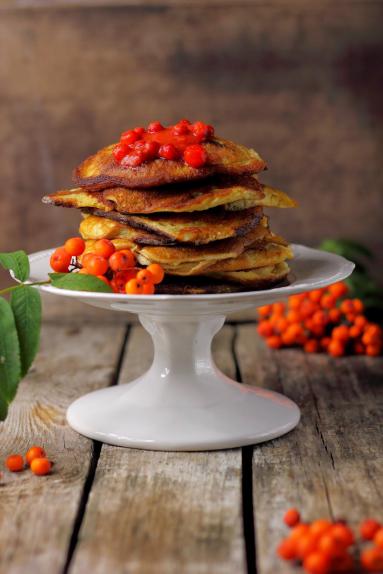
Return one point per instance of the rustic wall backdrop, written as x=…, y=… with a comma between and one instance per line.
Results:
x=299, y=81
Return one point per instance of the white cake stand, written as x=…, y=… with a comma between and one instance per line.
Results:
x=183, y=402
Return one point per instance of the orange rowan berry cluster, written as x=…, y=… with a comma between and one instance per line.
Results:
x=325, y=547
x=371, y=558
x=116, y=268
x=323, y=320
x=35, y=458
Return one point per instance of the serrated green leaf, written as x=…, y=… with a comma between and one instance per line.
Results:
x=362, y=284
x=18, y=262
x=10, y=364
x=79, y=282
x=26, y=307
x=347, y=248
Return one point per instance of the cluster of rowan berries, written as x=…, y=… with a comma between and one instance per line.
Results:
x=323, y=320
x=116, y=268
x=326, y=547
x=35, y=458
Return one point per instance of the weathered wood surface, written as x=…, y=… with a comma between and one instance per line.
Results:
x=37, y=515
x=168, y=513
x=107, y=509
x=332, y=464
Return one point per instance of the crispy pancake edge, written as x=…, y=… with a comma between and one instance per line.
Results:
x=191, y=229
x=205, y=286
x=232, y=196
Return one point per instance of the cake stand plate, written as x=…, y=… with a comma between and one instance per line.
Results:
x=183, y=402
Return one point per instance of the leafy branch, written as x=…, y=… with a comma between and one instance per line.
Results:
x=360, y=283
x=20, y=319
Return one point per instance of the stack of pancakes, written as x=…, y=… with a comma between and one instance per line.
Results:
x=205, y=226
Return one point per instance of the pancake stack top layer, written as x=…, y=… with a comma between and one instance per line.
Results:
x=181, y=197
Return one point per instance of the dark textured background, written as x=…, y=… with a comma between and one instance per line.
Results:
x=299, y=81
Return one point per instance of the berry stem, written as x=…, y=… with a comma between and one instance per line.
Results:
x=20, y=285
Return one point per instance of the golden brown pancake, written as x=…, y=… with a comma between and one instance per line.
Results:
x=194, y=287
x=261, y=255
x=93, y=227
x=181, y=260
x=232, y=193
x=184, y=228
x=205, y=285
x=255, y=278
x=203, y=255
x=223, y=157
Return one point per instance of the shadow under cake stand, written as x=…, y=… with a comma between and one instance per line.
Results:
x=184, y=402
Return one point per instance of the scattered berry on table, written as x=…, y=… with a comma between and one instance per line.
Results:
x=34, y=452
x=41, y=466
x=372, y=559
x=378, y=538
x=287, y=549
x=14, y=462
x=323, y=320
x=368, y=528
x=327, y=547
x=291, y=517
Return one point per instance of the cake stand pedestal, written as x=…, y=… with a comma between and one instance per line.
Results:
x=184, y=402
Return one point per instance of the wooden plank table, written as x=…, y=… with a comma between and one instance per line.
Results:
x=108, y=509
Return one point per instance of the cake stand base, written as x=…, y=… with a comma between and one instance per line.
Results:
x=183, y=402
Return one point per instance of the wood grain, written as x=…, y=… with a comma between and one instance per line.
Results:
x=164, y=512
x=140, y=512
x=37, y=514
x=330, y=465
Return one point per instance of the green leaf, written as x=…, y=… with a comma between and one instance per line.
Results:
x=79, y=282
x=10, y=364
x=18, y=262
x=347, y=248
x=26, y=307
x=363, y=284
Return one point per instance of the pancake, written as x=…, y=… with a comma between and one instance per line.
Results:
x=172, y=256
x=195, y=286
x=264, y=255
x=231, y=193
x=223, y=157
x=178, y=260
x=103, y=228
x=206, y=285
x=260, y=277
x=186, y=228
x=252, y=258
